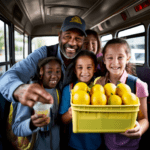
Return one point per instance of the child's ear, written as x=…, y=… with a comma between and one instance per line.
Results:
x=41, y=71
x=103, y=60
x=74, y=71
x=128, y=59
x=95, y=69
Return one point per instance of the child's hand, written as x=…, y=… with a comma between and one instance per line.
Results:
x=40, y=120
x=70, y=112
x=67, y=117
x=134, y=133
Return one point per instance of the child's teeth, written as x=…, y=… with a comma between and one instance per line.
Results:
x=53, y=81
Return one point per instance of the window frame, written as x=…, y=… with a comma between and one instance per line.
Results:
x=24, y=35
x=6, y=62
x=10, y=44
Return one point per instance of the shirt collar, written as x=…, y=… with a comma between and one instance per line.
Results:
x=122, y=79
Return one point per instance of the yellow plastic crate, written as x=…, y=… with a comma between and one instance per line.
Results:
x=103, y=118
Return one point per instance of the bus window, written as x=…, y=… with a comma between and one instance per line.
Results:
x=137, y=49
x=2, y=43
x=7, y=42
x=106, y=38
x=18, y=46
x=2, y=70
x=43, y=41
x=4, y=47
x=132, y=31
x=26, y=46
x=135, y=37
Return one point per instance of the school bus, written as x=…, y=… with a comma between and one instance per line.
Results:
x=26, y=25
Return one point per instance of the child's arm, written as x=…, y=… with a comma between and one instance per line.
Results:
x=67, y=117
x=142, y=124
x=23, y=123
x=65, y=109
x=143, y=115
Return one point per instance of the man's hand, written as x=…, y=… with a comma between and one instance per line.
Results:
x=28, y=94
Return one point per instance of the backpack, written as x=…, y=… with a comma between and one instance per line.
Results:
x=131, y=81
x=20, y=143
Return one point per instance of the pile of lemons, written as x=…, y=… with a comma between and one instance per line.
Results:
x=110, y=94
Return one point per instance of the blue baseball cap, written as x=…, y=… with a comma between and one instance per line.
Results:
x=74, y=22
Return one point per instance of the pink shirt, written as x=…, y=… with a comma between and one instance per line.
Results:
x=116, y=141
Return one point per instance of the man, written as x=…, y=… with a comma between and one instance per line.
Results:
x=13, y=84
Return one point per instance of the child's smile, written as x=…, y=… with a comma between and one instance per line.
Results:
x=52, y=74
x=84, y=69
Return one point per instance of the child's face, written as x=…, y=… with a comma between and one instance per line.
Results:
x=90, y=43
x=51, y=74
x=116, y=59
x=84, y=69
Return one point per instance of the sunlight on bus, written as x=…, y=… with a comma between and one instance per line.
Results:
x=18, y=46
x=105, y=39
x=43, y=41
x=2, y=46
x=132, y=31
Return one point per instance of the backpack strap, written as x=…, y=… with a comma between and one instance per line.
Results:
x=131, y=81
x=58, y=93
x=52, y=50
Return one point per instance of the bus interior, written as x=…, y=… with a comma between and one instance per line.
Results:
x=26, y=25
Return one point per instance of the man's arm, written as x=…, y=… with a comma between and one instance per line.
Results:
x=14, y=79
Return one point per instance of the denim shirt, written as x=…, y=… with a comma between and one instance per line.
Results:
x=21, y=72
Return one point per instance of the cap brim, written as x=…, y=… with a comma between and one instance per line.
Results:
x=73, y=27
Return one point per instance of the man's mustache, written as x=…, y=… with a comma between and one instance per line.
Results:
x=70, y=46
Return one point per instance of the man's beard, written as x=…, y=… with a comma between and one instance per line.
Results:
x=63, y=50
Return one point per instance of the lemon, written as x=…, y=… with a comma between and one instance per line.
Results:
x=45, y=112
x=98, y=98
x=81, y=97
x=130, y=99
x=110, y=89
x=80, y=86
x=97, y=88
x=114, y=100
x=122, y=89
